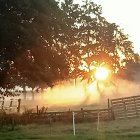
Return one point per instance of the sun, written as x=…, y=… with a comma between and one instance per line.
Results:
x=101, y=73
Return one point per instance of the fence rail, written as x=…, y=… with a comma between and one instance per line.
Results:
x=80, y=115
x=119, y=108
x=126, y=107
x=12, y=104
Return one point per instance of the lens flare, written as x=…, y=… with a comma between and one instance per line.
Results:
x=101, y=73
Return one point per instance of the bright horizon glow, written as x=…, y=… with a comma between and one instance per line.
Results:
x=101, y=73
x=124, y=13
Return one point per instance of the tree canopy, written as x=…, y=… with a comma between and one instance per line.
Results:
x=95, y=41
x=30, y=36
x=44, y=41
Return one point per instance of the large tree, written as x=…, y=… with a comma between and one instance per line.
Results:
x=94, y=41
x=30, y=36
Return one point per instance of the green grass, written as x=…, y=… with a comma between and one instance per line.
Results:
x=113, y=130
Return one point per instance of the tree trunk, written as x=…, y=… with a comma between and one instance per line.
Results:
x=33, y=95
x=24, y=92
x=75, y=82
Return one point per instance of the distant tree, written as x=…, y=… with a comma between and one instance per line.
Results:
x=131, y=69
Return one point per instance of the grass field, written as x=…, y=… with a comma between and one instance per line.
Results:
x=113, y=130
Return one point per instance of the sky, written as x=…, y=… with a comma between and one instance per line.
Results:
x=124, y=13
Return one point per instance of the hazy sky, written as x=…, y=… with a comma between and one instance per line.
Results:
x=125, y=13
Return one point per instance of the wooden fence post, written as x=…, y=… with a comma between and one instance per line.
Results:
x=10, y=106
x=109, y=114
x=18, y=106
x=82, y=112
x=108, y=101
x=112, y=112
x=124, y=106
x=73, y=120
x=2, y=105
x=136, y=107
x=37, y=110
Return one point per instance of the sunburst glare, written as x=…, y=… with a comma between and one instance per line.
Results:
x=101, y=73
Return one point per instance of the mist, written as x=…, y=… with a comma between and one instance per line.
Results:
x=82, y=95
